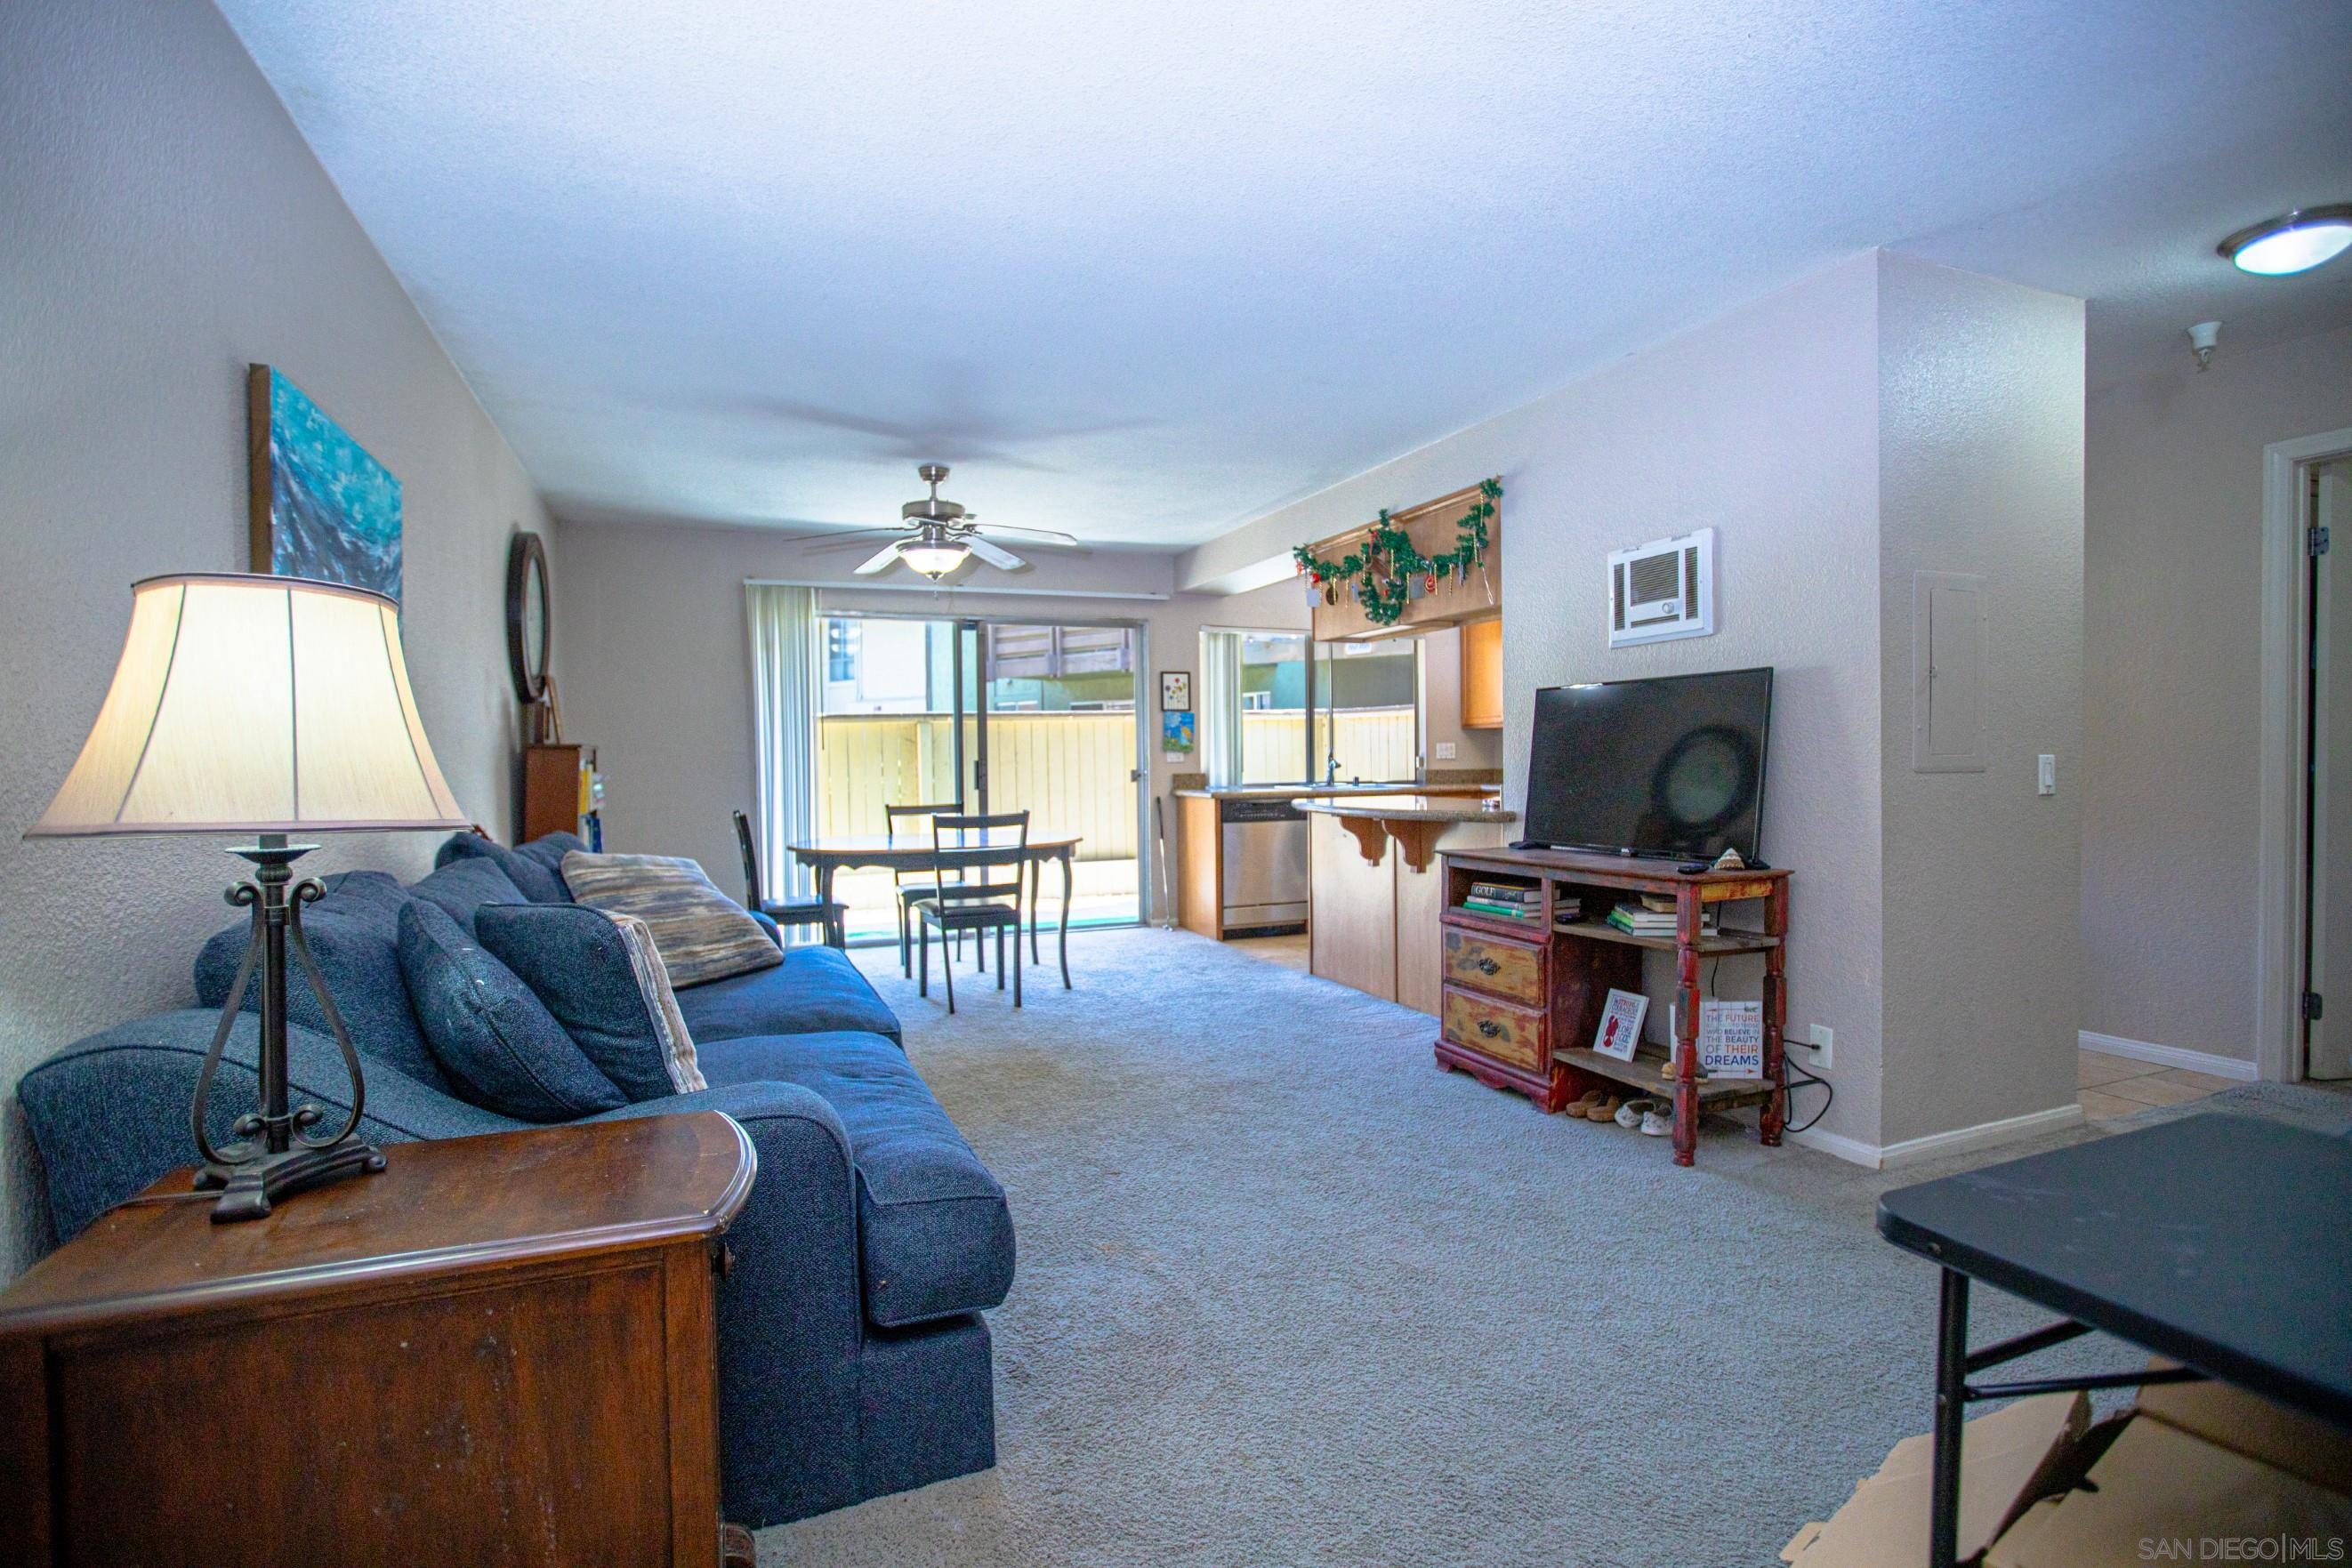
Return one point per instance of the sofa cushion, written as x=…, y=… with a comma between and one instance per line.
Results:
x=813, y=991
x=536, y=879
x=549, y=849
x=703, y=935
x=463, y=886
x=496, y=1041
x=354, y=932
x=935, y=1236
x=600, y=977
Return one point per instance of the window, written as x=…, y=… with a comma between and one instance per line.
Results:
x=1273, y=706
x=840, y=650
x=1367, y=709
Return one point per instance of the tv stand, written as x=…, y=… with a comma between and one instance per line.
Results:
x=1523, y=998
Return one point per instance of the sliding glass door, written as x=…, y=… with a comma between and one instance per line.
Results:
x=993, y=716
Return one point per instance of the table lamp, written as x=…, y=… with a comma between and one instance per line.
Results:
x=272, y=706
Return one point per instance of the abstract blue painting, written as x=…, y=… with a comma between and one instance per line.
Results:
x=321, y=506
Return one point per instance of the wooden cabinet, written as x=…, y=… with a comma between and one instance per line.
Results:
x=553, y=789
x=1524, y=996
x=1482, y=674
x=501, y=1348
x=1434, y=527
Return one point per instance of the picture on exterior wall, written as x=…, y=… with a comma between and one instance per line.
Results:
x=320, y=507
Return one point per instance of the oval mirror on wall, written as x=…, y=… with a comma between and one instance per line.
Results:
x=530, y=623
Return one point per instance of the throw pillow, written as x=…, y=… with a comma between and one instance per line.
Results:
x=703, y=935
x=496, y=1041
x=533, y=875
x=600, y=975
x=463, y=886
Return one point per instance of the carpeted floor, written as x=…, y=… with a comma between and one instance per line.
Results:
x=1290, y=1295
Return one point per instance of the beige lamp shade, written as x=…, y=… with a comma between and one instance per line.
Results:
x=268, y=705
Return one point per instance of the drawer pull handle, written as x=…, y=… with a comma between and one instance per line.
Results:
x=1489, y=966
x=1489, y=1027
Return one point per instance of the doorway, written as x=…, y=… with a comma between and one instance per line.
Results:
x=2327, y=827
x=993, y=715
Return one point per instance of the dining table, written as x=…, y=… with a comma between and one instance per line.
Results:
x=827, y=856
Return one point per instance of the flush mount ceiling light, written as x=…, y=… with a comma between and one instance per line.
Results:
x=2302, y=239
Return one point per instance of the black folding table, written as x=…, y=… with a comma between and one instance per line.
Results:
x=2221, y=1242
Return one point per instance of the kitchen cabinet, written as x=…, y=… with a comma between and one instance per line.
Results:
x=1482, y=674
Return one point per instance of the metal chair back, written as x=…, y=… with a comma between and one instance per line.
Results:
x=980, y=845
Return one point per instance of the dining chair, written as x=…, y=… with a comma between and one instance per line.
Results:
x=831, y=916
x=973, y=901
x=911, y=894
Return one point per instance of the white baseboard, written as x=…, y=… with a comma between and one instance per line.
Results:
x=1844, y=1148
x=1940, y=1145
x=2172, y=1056
x=1983, y=1135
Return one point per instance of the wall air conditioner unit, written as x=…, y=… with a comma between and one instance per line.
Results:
x=1660, y=590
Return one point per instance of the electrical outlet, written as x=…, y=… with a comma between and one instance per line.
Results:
x=1445, y=751
x=1824, y=1047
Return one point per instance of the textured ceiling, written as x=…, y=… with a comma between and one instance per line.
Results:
x=1144, y=271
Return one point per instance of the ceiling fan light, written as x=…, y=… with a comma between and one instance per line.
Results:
x=2302, y=239
x=933, y=561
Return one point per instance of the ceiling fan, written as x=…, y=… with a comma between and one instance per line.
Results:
x=936, y=535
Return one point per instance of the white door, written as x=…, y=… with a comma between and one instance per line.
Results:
x=2329, y=1036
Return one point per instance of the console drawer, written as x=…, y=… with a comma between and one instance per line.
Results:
x=1496, y=1029
x=1497, y=967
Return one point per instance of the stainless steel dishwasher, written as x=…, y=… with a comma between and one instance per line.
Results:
x=1266, y=866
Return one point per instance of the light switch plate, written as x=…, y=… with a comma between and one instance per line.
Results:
x=1445, y=749
x=2045, y=777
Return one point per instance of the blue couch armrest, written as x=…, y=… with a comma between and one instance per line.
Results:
x=790, y=1326
x=109, y=1114
x=768, y=924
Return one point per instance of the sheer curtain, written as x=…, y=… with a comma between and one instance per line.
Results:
x=1221, y=705
x=787, y=666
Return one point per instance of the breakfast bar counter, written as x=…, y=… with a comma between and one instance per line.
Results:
x=1377, y=891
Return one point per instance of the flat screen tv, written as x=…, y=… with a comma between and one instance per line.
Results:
x=1670, y=767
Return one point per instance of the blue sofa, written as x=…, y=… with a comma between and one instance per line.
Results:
x=853, y=1360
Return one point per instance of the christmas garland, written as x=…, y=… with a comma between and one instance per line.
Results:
x=1381, y=572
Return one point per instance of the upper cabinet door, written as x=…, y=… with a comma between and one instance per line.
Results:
x=1482, y=674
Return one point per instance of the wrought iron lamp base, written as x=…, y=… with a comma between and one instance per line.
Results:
x=276, y=1154
x=248, y=1190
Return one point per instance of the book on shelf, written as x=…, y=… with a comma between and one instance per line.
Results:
x=1501, y=911
x=1505, y=893
x=1636, y=921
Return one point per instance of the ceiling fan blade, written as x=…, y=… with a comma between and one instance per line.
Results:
x=882, y=560
x=1053, y=536
x=818, y=543
x=1003, y=560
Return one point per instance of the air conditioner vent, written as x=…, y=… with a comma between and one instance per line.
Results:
x=1660, y=590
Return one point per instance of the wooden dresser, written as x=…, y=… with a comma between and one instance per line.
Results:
x=501, y=1350
x=1523, y=998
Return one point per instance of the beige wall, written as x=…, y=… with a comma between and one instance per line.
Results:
x=163, y=225
x=656, y=661
x=1441, y=707
x=2172, y=683
x=1980, y=471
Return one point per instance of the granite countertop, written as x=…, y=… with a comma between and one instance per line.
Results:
x=1410, y=807
x=1302, y=791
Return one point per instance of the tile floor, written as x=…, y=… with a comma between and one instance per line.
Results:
x=2117, y=1086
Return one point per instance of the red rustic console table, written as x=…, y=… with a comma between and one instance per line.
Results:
x=1523, y=998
